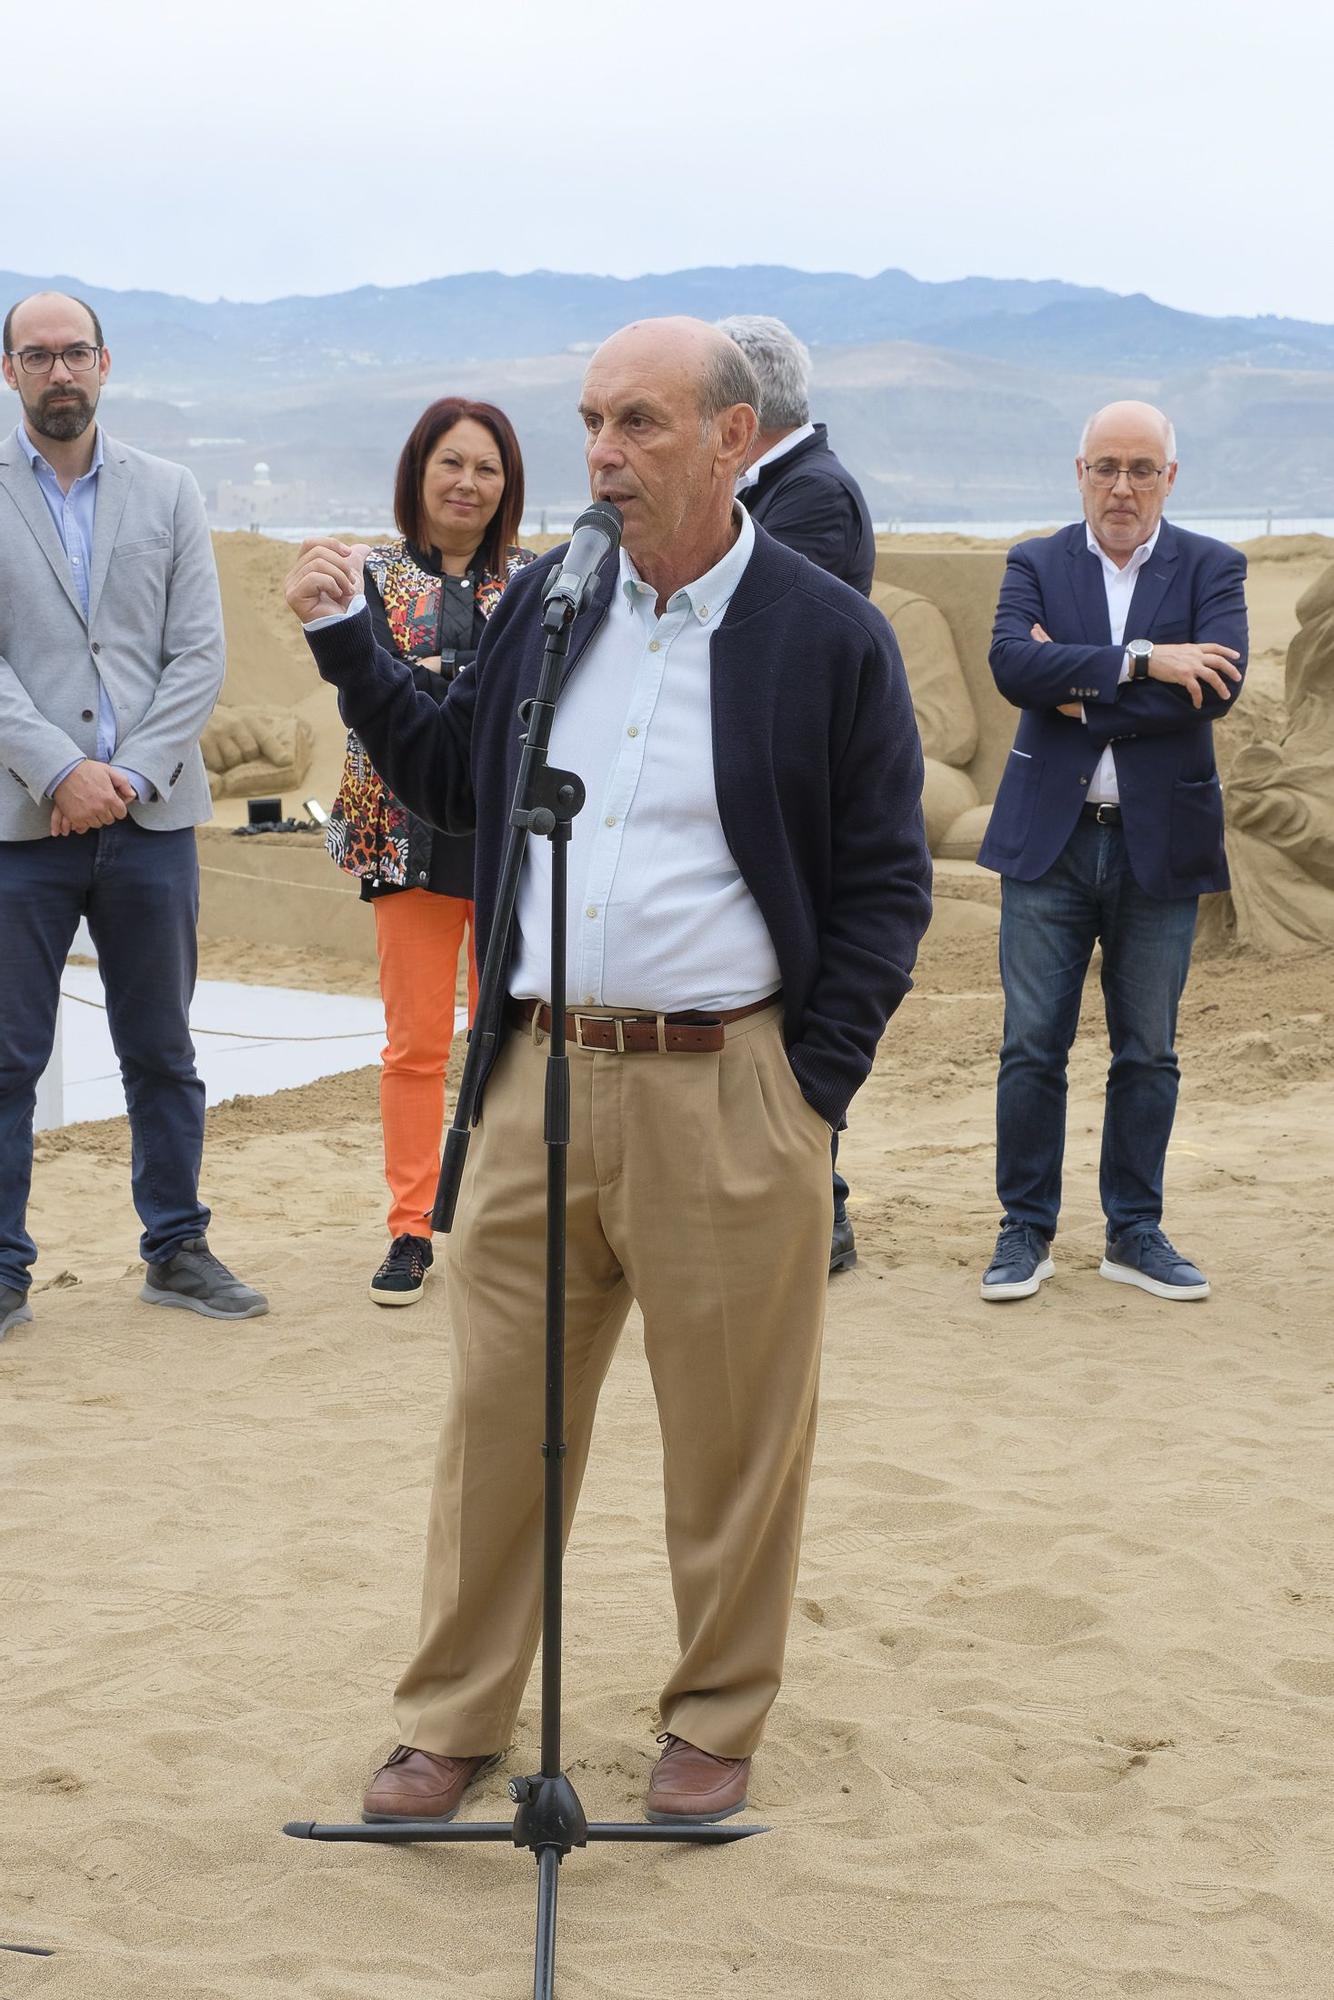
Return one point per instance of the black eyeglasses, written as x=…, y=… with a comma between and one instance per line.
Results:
x=41, y=360
x=1105, y=472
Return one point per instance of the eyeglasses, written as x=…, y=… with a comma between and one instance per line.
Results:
x=40, y=360
x=1105, y=472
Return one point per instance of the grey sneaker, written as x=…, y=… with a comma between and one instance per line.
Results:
x=14, y=1309
x=1144, y=1257
x=1019, y=1263
x=195, y=1280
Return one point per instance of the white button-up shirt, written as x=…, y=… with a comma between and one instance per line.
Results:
x=1119, y=585
x=659, y=916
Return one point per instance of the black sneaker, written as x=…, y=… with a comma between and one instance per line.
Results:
x=14, y=1309
x=1019, y=1264
x=194, y=1279
x=401, y=1279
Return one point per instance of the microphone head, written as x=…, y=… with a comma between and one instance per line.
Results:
x=606, y=518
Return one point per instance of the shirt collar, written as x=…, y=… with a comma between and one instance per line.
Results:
x=710, y=594
x=34, y=454
x=1137, y=561
x=750, y=477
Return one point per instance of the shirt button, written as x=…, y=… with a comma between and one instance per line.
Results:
x=591, y=911
x=632, y=731
x=703, y=610
x=653, y=646
x=611, y=819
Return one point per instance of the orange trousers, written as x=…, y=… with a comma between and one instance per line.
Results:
x=418, y=937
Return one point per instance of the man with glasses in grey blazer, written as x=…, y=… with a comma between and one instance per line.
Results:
x=111, y=658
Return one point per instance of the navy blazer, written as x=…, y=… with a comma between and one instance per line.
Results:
x=1191, y=590
x=817, y=765
x=810, y=502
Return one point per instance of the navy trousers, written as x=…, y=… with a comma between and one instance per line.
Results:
x=140, y=894
x=1048, y=930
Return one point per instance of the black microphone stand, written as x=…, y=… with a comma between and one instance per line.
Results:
x=549, y=1820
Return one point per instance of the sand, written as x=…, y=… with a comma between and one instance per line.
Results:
x=1059, y=1715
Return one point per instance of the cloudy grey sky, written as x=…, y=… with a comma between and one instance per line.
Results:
x=265, y=147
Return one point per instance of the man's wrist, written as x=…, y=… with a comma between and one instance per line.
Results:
x=61, y=776
x=354, y=609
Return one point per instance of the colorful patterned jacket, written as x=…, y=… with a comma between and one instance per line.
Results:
x=371, y=834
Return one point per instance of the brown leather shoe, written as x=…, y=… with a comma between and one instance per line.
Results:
x=416, y=1784
x=690, y=1784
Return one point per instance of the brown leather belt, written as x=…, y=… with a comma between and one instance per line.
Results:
x=640, y=1034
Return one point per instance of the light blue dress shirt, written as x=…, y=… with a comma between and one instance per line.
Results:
x=659, y=916
x=74, y=515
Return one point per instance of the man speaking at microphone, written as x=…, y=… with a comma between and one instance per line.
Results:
x=748, y=883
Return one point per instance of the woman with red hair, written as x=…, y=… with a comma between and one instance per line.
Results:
x=458, y=501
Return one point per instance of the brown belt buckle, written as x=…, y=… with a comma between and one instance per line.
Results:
x=616, y=1024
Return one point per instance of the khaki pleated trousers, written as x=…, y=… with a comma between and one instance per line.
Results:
x=698, y=1186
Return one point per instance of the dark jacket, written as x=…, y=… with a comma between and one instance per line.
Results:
x=809, y=502
x=817, y=765
x=1190, y=590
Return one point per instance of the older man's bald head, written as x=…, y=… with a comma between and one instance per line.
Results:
x=686, y=349
x=669, y=408
x=1116, y=422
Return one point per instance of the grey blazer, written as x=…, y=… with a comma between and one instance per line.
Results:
x=153, y=637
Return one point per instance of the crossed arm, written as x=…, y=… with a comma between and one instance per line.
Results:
x=1187, y=683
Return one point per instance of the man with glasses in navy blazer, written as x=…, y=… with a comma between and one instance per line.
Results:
x=1120, y=639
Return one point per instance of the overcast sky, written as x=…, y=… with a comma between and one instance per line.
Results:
x=265, y=147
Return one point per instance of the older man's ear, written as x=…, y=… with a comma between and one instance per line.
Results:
x=737, y=431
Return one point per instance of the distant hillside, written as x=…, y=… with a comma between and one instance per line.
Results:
x=959, y=399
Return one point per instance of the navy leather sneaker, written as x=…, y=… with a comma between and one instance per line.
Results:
x=1144, y=1257
x=1020, y=1262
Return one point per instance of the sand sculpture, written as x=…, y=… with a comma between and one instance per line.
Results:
x=955, y=815
x=1278, y=784
x=248, y=751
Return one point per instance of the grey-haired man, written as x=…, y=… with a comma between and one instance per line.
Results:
x=805, y=498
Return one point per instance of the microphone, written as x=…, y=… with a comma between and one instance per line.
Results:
x=595, y=536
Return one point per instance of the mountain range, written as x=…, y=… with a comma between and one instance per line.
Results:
x=958, y=400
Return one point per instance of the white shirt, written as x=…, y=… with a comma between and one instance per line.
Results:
x=1119, y=585
x=659, y=916
x=750, y=477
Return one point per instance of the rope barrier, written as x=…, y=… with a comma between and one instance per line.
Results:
x=270, y=881
x=241, y=1034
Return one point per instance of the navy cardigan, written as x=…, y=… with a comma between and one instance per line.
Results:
x=817, y=765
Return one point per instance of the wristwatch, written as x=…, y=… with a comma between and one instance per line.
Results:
x=1139, y=652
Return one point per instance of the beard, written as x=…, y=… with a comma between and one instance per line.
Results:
x=62, y=422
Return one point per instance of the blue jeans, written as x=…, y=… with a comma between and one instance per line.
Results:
x=140, y=894
x=1048, y=929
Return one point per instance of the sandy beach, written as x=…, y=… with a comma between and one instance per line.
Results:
x=1059, y=1714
